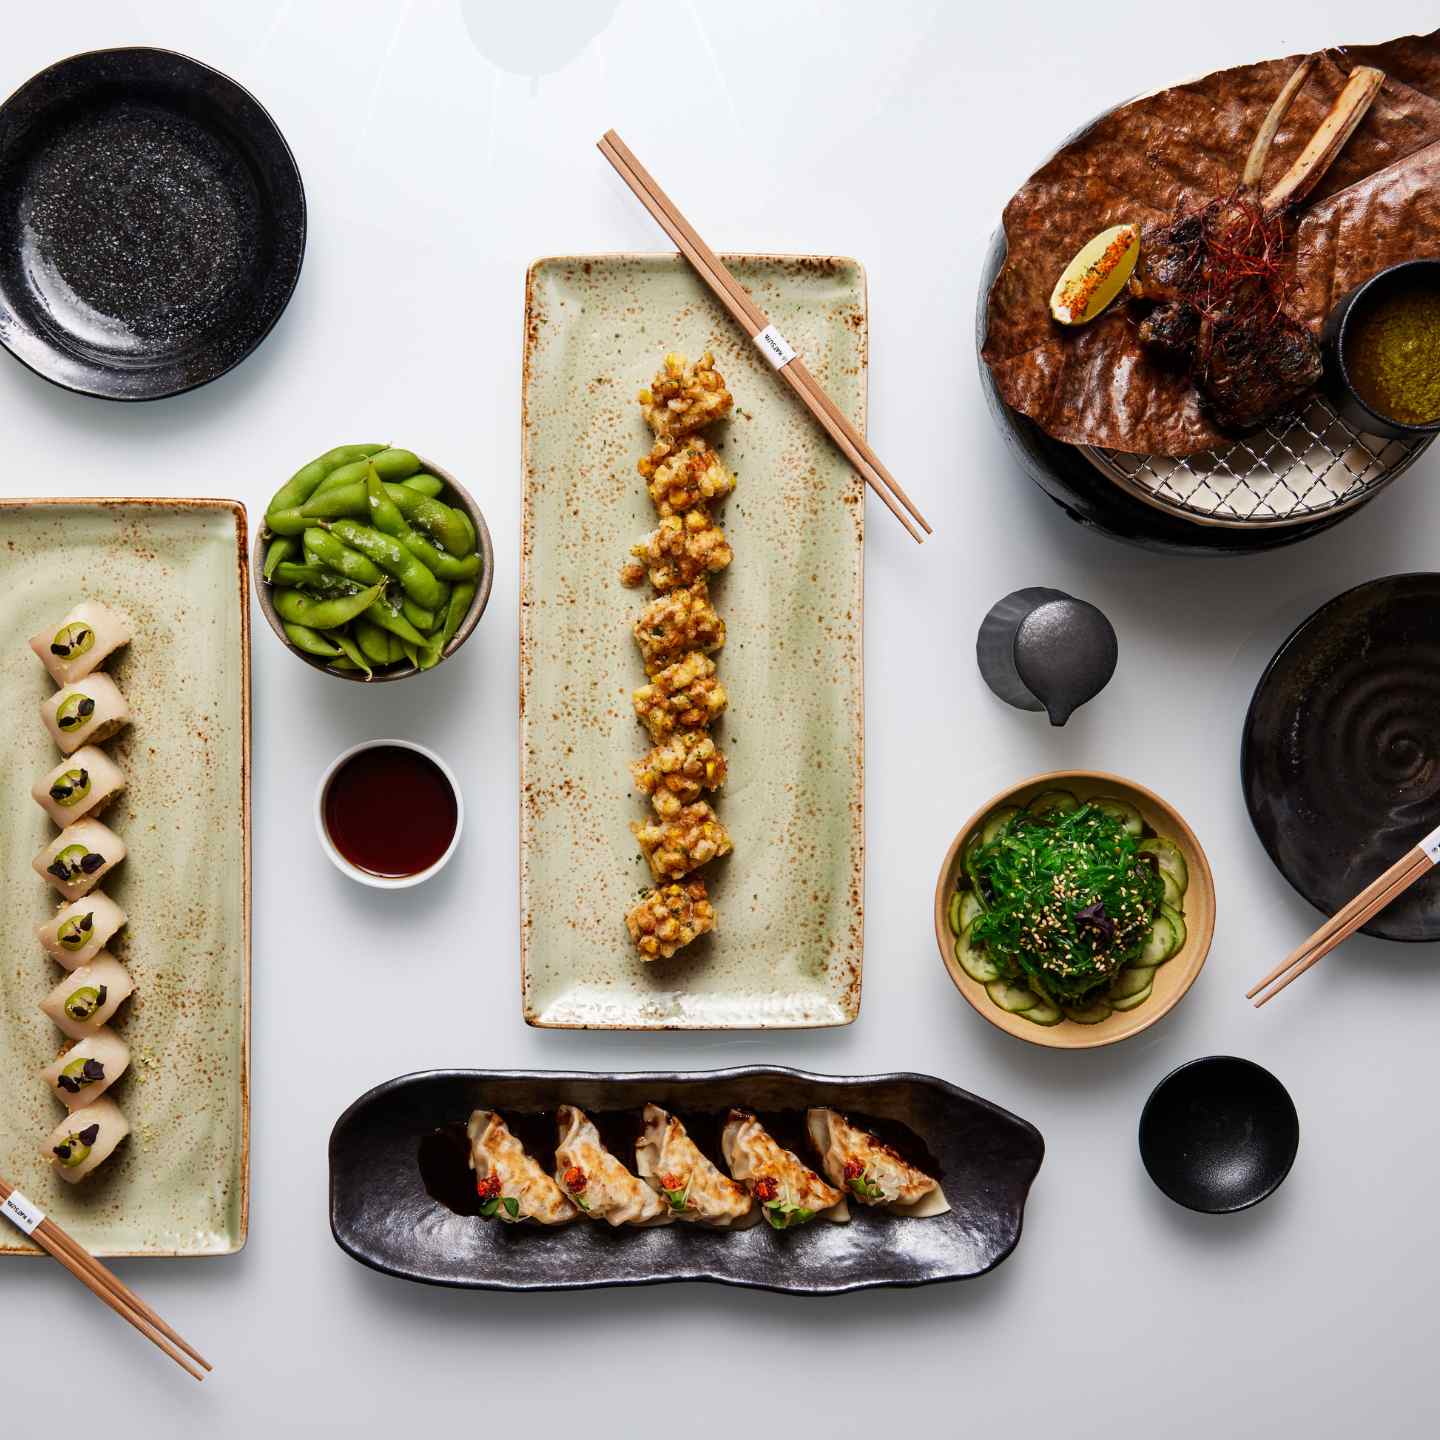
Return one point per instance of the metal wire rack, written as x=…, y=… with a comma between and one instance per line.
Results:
x=1298, y=468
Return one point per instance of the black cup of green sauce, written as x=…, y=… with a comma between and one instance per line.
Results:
x=1382, y=344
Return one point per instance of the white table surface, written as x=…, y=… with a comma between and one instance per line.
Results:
x=445, y=145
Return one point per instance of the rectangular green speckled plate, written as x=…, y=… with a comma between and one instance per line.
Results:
x=179, y=1185
x=787, y=947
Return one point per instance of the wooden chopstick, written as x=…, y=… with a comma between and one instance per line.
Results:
x=113, y=1291
x=1417, y=861
x=753, y=320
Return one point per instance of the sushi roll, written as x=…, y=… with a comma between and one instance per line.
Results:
x=88, y=1069
x=86, y=999
x=79, y=857
x=86, y=1139
x=80, y=930
x=82, y=642
x=84, y=784
x=85, y=712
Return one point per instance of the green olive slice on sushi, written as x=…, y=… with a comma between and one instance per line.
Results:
x=72, y=641
x=81, y=1004
x=71, y=787
x=74, y=1148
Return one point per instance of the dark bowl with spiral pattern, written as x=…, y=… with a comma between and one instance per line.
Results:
x=1340, y=760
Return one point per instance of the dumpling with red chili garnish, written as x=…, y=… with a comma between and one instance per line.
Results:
x=511, y=1185
x=596, y=1181
x=865, y=1167
x=789, y=1192
x=691, y=1184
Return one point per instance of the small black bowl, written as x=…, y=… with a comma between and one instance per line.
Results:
x=1337, y=332
x=1219, y=1134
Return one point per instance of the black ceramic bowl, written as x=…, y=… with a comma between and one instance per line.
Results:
x=1338, y=329
x=152, y=223
x=1219, y=1134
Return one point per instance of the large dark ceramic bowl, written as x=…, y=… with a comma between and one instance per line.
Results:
x=1086, y=496
x=454, y=494
x=1340, y=760
x=402, y=1200
x=152, y=223
x=1219, y=1134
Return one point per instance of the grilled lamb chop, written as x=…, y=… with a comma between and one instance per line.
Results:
x=1249, y=357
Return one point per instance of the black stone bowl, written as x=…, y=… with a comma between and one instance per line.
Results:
x=402, y=1200
x=152, y=224
x=1340, y=756
x=1219, y=1134
x=1358, y=411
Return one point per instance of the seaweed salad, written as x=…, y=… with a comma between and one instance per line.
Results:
x=1065, y=909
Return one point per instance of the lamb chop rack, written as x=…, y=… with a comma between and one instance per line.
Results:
x=1218, y=274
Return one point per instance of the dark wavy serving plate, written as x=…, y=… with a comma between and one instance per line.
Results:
x=1340, y=757
x=384, y=1214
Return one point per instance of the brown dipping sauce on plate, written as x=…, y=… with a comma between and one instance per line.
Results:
x=390, y=810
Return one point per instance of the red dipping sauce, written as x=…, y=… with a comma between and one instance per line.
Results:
x=391, y=811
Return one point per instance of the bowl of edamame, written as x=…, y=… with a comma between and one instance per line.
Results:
x=373, y=564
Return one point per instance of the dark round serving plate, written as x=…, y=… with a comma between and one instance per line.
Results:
x=1219, y=1134
x=1340, y=760
x=152, y=224
x=1091, y=499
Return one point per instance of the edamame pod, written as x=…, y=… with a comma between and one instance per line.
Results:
x=411, y=653
x=389, y=618
x=392, y=557
x=386, y=516
x=301, y=609
x=324, y=549
x=353, y=653
x=287, y=522
x=421, y=618
x=280, y=549
x=442, y=524
x=308, y=478
x=392, y=464
x=310, y=641
x=345, y=663
x=374, y=642
x=460, y=598
x=430, y=485
x=316, y=579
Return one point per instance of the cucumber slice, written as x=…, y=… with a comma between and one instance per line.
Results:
x=1168, y=857
x=973, y=960
x=1053, y=802
x=1091, y=1014
x=971, y=905
x=996, y=822
x=1177, y=924
x=1131, y=1001
x=1121, y=810
x=952, y=914
x=1044, y=1014
x=1164, y=941
x=1174, y=896
x=1131, y=981
x=1017, y=999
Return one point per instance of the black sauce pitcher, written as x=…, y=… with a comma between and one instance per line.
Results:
x=1042, y=649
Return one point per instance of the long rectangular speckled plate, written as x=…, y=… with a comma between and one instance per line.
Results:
x=179, y=1185
x=787, y=948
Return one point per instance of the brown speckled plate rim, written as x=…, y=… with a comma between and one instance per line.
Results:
x=850, y=999
x=1200, y=926
x=242, y=555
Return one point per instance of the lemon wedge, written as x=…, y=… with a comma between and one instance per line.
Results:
x=1096, y=275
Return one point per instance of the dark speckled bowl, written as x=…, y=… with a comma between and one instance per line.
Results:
x=1219, y=1134
x=453, y=494
x=402, y=1200
x=152, y=224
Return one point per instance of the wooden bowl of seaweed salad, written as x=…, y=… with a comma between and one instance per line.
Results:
x=1074, y=909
